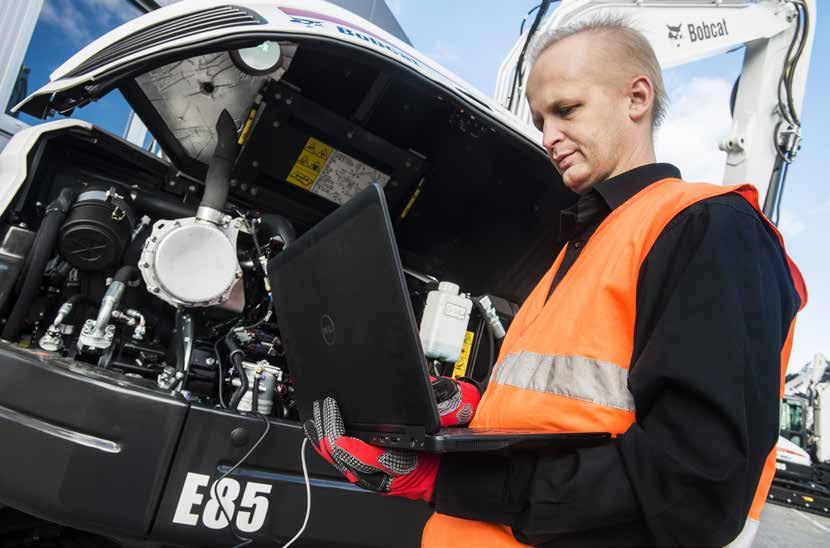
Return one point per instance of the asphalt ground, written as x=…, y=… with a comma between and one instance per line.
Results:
x=781, y=526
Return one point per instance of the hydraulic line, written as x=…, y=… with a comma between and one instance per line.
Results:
x=42, y=250
x=51, y=340
x=235, y=354
x=787, y=149
x=518, y=74
x=160, y=207
x=255, y=393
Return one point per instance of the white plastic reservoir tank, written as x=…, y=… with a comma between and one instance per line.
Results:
x=444, y=323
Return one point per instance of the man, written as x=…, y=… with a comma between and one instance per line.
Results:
x=666, y=320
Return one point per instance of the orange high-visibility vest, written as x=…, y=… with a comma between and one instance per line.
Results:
x=564, y=363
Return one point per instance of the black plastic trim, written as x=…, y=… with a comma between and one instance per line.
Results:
x=62, y=481
x=215, y=18
x=57, y=431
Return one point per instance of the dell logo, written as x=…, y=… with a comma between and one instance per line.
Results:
x=327, y=329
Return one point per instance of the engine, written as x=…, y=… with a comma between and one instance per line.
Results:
x=141, y=285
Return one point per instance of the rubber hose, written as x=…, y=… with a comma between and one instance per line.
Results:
x=133, y=254
x=491, y=338
x=217, y=182
x=22, y=276
x=255, y=394
x=126, y=274
x=42, y=249
x=78, y=298
x=236, y=359
x=159, y=207
x=277, y=225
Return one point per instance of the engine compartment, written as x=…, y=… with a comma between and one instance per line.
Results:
x=118, y=259
x=109, y=276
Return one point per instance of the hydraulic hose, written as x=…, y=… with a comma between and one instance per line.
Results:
x=160, y=207
x=112, y=297
x=491, y=338
x=217, y=182
x=235, y=354
x=126, y=274
x=42, y=249
x=78, y=298
x=255, y=393
x=67, y=307
x=52, y=340
x=277, y=225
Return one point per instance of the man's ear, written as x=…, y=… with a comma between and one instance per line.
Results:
x=641, y=98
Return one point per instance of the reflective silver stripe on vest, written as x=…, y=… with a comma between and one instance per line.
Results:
x=577, y=377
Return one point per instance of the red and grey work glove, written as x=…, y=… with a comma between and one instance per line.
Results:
x=394, y=472
x=457, y=400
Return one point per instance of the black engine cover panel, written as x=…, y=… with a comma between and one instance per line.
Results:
x=80, y=447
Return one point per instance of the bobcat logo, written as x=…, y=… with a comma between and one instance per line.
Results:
x=675, y=33
x=309, y=23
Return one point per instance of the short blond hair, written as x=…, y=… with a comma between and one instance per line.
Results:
x=631, y=46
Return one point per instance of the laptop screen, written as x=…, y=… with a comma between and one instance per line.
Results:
x=347, y=323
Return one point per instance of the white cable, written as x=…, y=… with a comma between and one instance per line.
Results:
x=307, y=496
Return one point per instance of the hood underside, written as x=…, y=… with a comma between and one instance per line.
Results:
x=189, y=95
x=178, y=58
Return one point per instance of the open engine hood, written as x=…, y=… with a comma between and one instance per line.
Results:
x=469, y=183
x=199, y=33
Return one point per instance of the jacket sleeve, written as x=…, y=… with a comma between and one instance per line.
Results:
x=714, y=305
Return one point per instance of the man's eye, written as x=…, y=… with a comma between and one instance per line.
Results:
x=566, y=111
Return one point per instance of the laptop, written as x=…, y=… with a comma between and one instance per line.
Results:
x=349, y=332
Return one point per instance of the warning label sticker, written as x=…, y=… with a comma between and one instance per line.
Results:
x=309, y=164
x=332, y=174
x=460, y=368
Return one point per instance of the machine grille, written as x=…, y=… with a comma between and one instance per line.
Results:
x=219, y=17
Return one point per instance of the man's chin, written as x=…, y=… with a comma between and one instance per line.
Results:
x=577, y=182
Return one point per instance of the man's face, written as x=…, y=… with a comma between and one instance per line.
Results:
x=582, y=110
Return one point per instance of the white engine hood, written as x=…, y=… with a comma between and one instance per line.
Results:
x=149, y=46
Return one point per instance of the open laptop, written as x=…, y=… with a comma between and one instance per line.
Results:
x=349, y=332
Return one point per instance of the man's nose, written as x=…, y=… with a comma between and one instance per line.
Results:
x=551, y=136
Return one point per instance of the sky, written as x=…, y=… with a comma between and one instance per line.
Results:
x=472, y=37
x=63, y=28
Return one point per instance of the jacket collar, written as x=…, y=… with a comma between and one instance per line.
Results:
x=604, y=197
x=620, y=188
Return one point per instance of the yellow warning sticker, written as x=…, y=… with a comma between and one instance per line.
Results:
x=412, y=200
x=309, y=164
x=460, y=368
x=246, y=129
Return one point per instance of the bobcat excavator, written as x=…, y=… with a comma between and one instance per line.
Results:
x=143, y=405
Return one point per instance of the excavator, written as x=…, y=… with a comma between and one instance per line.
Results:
x=802, y=478
x=145, y=396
